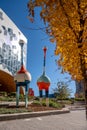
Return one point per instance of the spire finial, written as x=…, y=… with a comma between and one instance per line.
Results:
x=45, y=49
x=44, y=64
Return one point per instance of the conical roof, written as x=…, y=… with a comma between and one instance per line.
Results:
x=43, y=81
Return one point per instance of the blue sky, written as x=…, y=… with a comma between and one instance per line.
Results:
x=37, y=39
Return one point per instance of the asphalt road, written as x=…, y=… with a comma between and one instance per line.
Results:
x=75, y=120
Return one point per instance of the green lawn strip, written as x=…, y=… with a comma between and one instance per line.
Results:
x=13, y=110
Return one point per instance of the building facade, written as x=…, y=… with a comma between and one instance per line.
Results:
x=79, y=89
x=10, y=51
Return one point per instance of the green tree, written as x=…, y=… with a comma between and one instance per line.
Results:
x=62, y=91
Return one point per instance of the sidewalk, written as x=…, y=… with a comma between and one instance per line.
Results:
x=5, y=117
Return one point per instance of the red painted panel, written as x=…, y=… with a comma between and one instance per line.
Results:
x=43, y=85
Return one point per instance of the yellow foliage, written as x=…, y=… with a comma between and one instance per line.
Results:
x=67, y=23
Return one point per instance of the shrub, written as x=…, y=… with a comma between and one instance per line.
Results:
x=79, y=99
x=55, y=104
x=36, y=102
x=3, y=93
x=12, y=94
x=36, y=98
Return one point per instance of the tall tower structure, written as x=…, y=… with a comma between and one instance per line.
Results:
x=22, y=78
x=43, y=82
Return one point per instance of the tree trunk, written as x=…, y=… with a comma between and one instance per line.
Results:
x=84, y=74
x=86, y=102
x=85, y=92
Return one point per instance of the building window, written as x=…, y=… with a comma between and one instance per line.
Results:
x=1, y=15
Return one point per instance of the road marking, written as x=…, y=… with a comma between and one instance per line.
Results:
x=39, y=118
x=27, y=119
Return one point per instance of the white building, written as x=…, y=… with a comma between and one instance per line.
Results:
x=10, y=35
x=9, y=44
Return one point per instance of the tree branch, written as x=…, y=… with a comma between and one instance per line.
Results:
x=61, y=3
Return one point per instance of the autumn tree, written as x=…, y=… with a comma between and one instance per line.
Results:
x=67, y=28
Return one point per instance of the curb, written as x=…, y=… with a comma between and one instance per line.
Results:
x=5, y=117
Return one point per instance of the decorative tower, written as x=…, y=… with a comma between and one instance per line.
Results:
x=43, y=81
x=22, y=78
